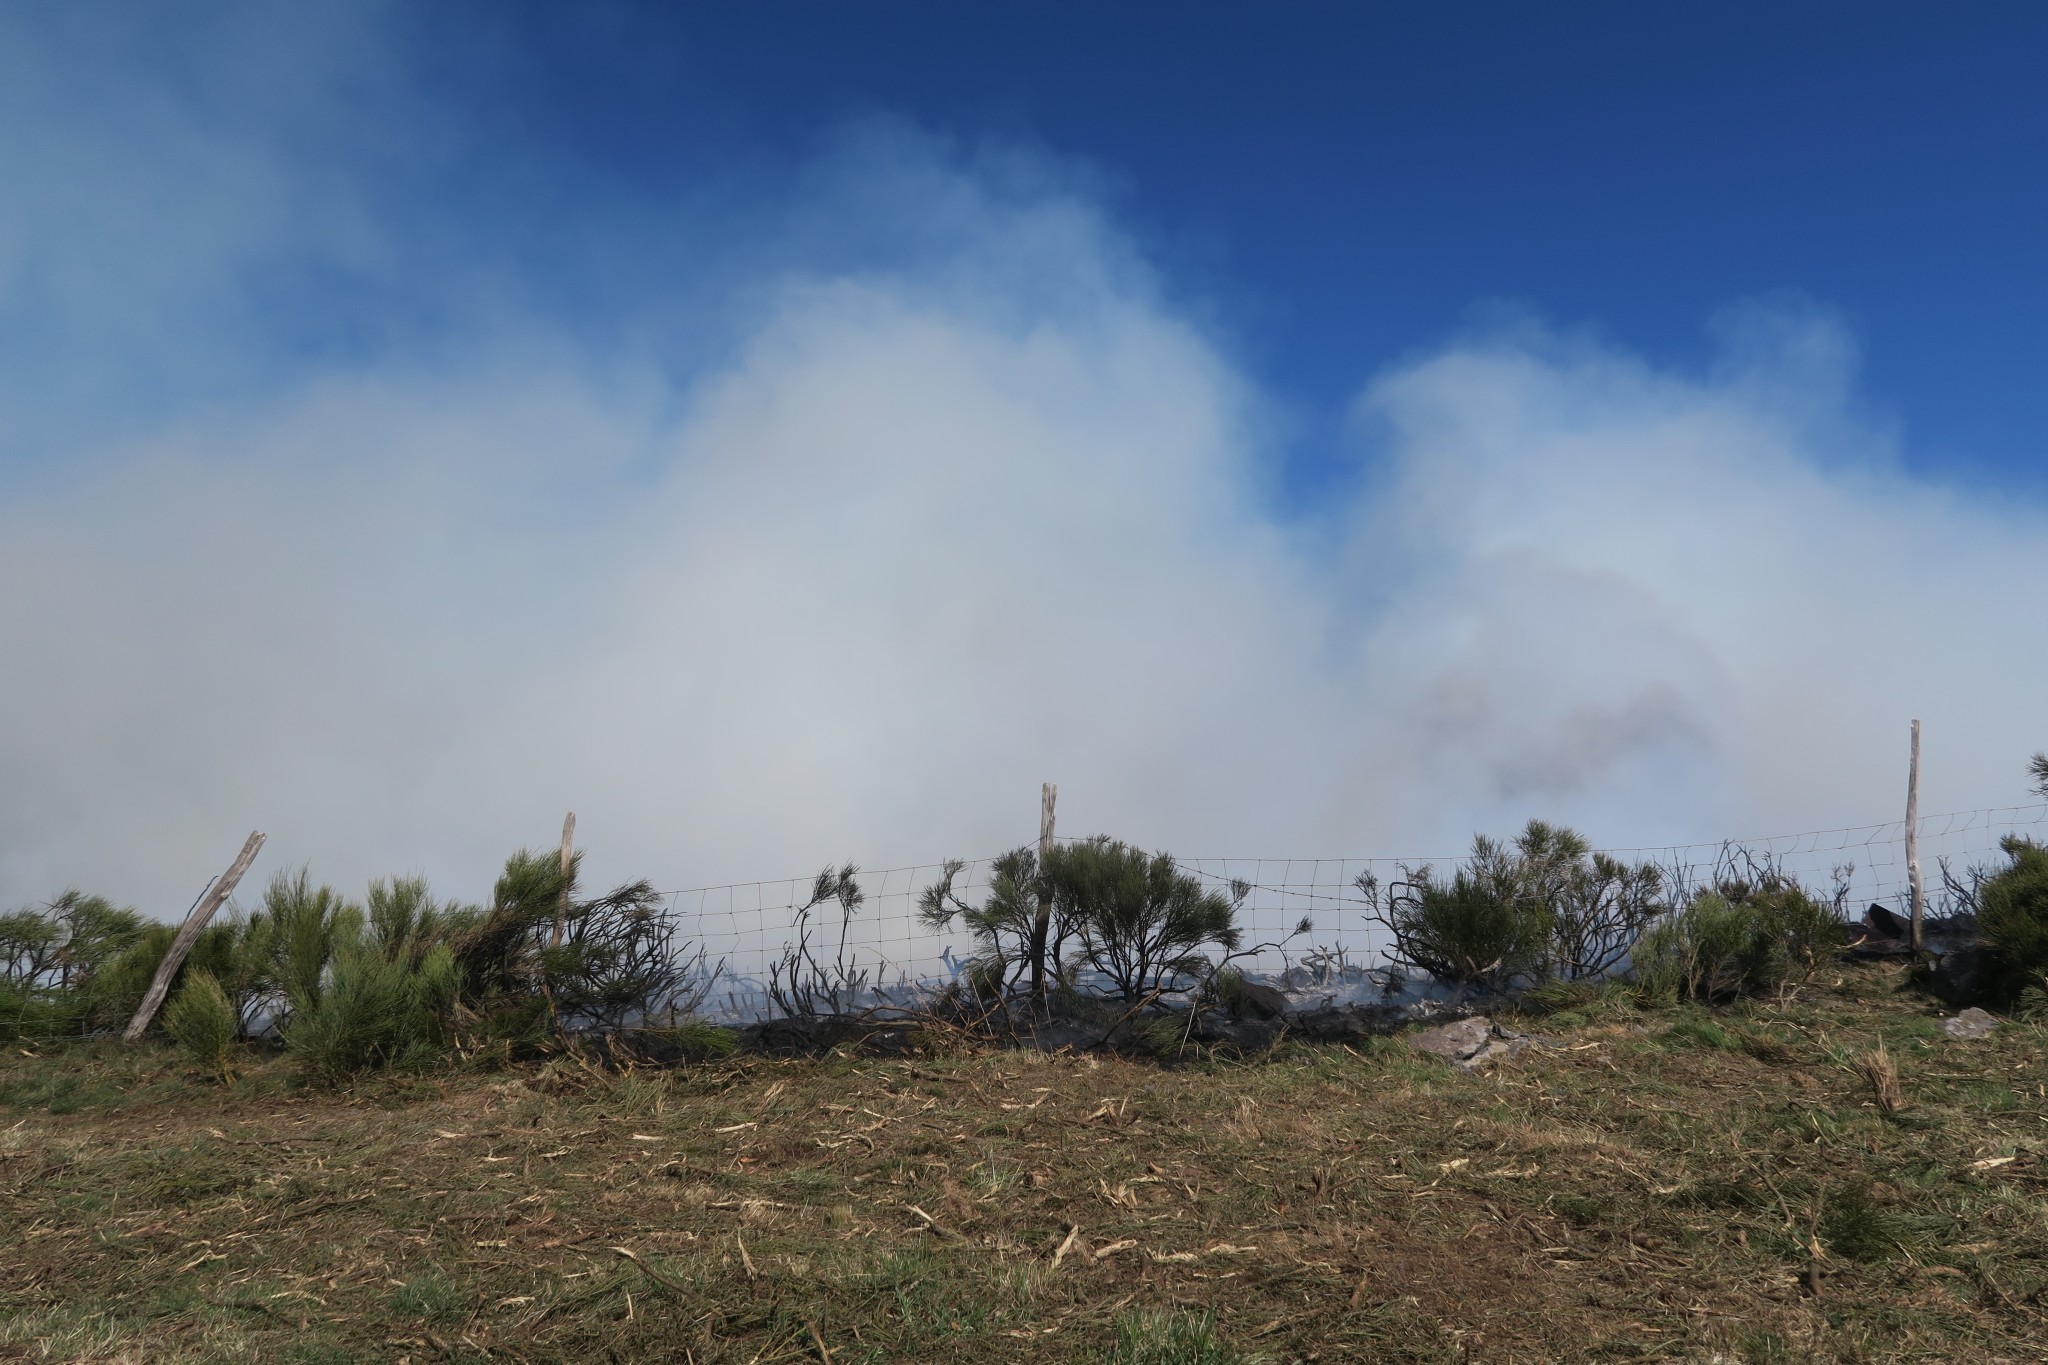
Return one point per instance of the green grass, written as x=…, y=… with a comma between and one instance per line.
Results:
x=1688, y=1184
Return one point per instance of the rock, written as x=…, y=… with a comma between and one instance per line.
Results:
x=1458, y=1040
x=1964, y=975
x=1881, y=933
x=1253, y=1000
x=1349, y=1023
x=1972, y=1023
x=1489, y=1051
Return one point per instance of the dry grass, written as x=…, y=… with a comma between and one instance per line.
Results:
x=1674, y=1186
x=1883, y=1074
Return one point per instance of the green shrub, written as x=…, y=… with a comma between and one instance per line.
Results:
x=1469, y=930
x=1142, y=923
x=118, y=988
x=306, y=925
x=1543, y=908
x=204, y=1022
x=53, y=961
x=1005, y=924
x=375, y=1011
x=2012, y=917
x=1735, y=940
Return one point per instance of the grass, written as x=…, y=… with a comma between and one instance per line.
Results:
x=1688, y=1184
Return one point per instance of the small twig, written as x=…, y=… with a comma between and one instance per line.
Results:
x=824, y=1352
x=745, y=1259
x=655, y=1275
x=934, y=1223
x=1073, y=1236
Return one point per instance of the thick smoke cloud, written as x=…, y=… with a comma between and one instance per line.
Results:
x=924, y=531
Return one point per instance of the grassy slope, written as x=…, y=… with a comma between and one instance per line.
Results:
x=1677, y=1185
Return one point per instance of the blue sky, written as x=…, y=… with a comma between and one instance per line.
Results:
x=1299, y=429
x=1342, y=184
x=1332, y=187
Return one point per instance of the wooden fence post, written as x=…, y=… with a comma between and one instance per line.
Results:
x=1913, y=837
x=562, y=906
x=188, y=935
x=1047, y=796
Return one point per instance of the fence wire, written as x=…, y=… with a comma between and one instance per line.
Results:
x=748, y=926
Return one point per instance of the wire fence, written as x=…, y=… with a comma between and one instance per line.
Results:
x=749, y=926
x=746, y=928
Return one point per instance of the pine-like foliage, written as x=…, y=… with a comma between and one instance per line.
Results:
x=2012, y=916
x=1005, y=924
x=203, y=1021
x=375, y=1011
x=1545, y=907
x=1736, y=938
x=56, y=963
x=1141, y=922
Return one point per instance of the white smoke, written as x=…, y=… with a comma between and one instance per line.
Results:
x=923, y=533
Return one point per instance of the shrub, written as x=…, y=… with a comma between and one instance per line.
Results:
x=2012, y=917
x=1738, y=939
x=1005, y=924
x=1591, y=906
x=1141, y=922
x=618, y=961
x=306, y=923
x=1467, y=930
x=375, y=1011
x=204, y=1022
x=53, y=962
x=119, y=986
x=1545, y=907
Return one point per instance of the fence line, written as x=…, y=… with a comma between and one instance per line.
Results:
x=749, y=924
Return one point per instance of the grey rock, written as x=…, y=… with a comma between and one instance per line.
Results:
x=1970, y=1024
x=1458, y=1040
x=1488, y=1052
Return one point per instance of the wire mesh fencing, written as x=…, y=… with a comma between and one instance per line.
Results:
x=749, y=928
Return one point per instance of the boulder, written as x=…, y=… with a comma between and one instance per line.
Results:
x=1254, y=1000
x=1458, y=1041
x=1470, y=1044
x=1964, y=975
x=1971, y=1024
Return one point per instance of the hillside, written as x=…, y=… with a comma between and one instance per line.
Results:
x=1650, y=1185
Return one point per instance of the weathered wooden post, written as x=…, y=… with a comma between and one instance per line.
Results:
x=562, y=905
x=188, y=935
x=1041, y=929
x=1913, y=837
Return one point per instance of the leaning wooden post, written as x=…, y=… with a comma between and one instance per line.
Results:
x=188, y=935
x=1913, y=837
x=1042, y=928
x=562, y=905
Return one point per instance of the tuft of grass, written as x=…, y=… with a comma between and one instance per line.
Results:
x=430, y=1295
x=1854, y=1225
x=1701, y=1033
x=1174, y=1337
x=1882, y=1073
